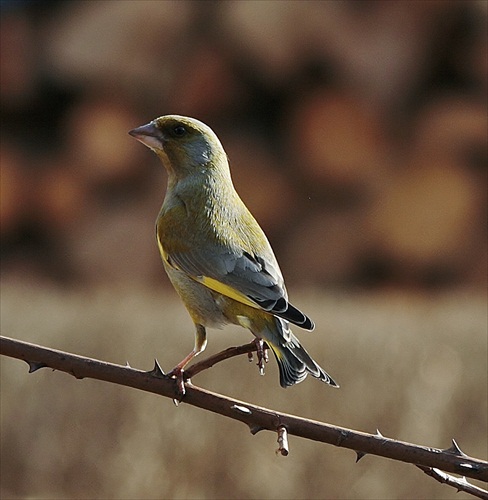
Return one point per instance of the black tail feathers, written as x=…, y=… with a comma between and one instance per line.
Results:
x=294, y=361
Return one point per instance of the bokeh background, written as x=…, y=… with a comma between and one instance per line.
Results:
x=357, y=134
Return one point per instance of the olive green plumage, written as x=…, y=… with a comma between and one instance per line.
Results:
x=216, y=255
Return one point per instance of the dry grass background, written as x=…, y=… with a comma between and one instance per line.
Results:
x=413, y=365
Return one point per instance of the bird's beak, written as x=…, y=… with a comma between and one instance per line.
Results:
x=149, y=135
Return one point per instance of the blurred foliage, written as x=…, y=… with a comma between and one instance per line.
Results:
x=356, y=132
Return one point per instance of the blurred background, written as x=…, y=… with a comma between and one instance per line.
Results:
x=357, y=135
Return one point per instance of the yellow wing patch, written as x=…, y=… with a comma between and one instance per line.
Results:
x=162, y=251
x=211, y=283
x=226, y=290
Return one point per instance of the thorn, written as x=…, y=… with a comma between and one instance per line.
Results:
x=283, y=448
x=463, y=482
x=255, y=429
x=359, y=455
x=127, y=365
x=378, y=433
x=176, y=402
x=455, y=450
x=79, y=377
x=34, y=366
x=157, y=371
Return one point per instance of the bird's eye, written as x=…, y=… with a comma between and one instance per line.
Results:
x=179, y=131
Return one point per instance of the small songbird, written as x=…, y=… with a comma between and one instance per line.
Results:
x=214, y=252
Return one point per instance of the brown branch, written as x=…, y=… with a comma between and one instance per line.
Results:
x=257, y=418
x=459, y=483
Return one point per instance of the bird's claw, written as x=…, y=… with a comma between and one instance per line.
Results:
x=178, y=374
x=261, y=353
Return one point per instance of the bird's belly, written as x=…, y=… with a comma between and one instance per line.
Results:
x=201, y=302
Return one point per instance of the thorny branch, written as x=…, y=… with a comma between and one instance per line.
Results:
x=431, y=460
x=459, y=483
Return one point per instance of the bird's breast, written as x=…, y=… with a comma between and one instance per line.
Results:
x=201, y=302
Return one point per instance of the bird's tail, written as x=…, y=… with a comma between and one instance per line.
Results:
x=293, y=360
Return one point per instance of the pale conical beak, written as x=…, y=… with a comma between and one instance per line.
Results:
x=149, y=135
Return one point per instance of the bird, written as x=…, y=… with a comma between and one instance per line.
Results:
x=215, y=254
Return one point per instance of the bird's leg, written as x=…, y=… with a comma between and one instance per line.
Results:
x=177, y=371
x=261, y=353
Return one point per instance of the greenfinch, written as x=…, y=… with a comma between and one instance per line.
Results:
x=215, y=254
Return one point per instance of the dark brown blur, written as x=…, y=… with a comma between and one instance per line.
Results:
x=357, y=136
x=356, y=133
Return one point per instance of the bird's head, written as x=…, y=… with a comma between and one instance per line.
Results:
x=185, y=146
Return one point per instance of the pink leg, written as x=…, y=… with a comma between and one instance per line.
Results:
x=177, y=371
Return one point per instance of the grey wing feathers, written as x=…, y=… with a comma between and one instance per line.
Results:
x=259, y=280
x=283, y=309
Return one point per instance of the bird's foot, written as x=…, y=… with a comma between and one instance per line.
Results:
x=261, y=353
x=177, y=373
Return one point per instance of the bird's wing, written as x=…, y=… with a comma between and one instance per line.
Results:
x=248, y=278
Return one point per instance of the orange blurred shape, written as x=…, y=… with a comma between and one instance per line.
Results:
x=60, y=197
x=205, y=85
x=336, y=139
x=97, y=140
x=428, y=216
